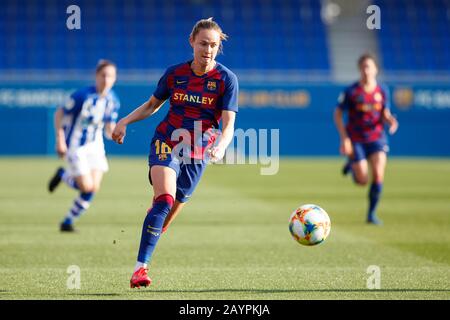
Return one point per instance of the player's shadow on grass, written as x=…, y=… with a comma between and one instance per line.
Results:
x=256, y=291
x=292, y=290
x=96, y=294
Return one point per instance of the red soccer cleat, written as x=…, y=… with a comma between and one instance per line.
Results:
x=140, y=278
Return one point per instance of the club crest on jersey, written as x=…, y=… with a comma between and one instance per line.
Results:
x=212, y=85
x=377, y=97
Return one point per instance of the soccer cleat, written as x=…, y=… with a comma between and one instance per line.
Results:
x=65, y=227
x=140, y=278
x=347, y=168
x=374, y=221
x=55, y=180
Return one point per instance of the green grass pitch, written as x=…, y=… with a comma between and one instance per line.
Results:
x=232, y=239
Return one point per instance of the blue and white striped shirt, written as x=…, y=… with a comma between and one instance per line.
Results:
x=85, y=115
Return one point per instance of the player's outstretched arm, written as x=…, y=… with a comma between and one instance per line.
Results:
x=61, y=146
x=228, y=118
x=346, y=144
x=144, y=111
x=390, y=120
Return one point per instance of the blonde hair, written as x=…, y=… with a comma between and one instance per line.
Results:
x=208, y=24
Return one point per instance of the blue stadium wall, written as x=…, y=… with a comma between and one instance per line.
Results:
x=302, y=112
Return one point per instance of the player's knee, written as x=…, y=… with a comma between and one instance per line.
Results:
x=95, y=187
x=361, y=181
x=378, y=176
x=87, y=187
x=378, y=179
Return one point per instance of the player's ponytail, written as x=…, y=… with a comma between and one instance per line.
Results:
x=208, y=24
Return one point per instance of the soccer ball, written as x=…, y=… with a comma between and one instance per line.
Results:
x=309, y=225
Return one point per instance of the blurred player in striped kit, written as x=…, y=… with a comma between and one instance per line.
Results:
x=363, y=138
x=79, y=126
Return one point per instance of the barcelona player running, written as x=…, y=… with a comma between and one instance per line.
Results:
x=201, y=93
x=363, y=138
x=79, y=139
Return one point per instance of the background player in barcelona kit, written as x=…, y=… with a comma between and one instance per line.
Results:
x=79, y=139
x=363, y=139
x=201, y=92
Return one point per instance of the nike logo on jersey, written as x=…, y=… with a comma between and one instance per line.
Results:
x=181, y=82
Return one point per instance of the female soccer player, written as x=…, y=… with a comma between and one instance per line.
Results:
x=201, y=92
x=79, y=139
x=363, y=139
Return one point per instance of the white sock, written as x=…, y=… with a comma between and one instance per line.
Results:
x=139, y=265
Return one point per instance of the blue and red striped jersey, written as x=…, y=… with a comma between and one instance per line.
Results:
x=365, y=112
x=195, y=98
